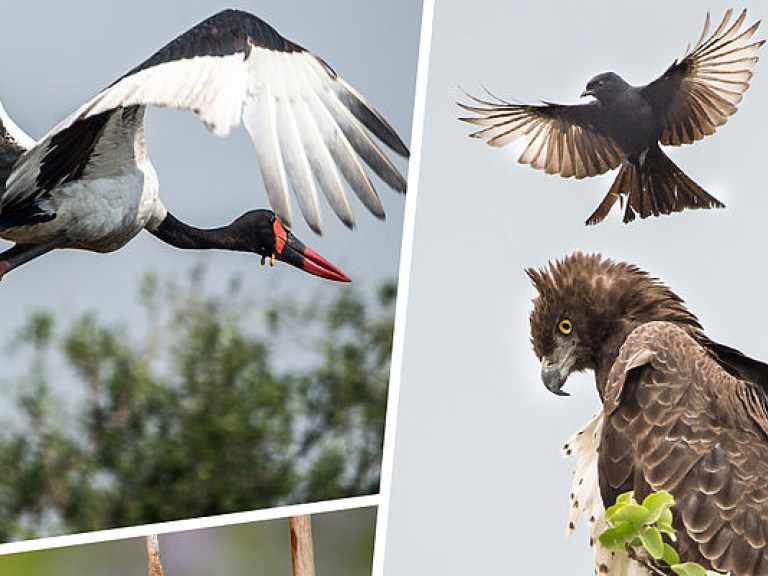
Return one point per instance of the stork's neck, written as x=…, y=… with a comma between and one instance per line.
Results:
x=181, y=235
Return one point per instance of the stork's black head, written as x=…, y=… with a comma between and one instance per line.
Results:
x=605, y=87
x=262, y=232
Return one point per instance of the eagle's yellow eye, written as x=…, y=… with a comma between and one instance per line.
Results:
x=565, y=326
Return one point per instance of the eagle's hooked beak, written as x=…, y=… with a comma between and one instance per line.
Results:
x=554, y=375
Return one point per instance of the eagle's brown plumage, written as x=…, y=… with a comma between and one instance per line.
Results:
x=680, y=412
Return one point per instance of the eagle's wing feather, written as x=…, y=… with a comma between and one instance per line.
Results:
x=560, y=139
x=680, y=422
x=699, y=93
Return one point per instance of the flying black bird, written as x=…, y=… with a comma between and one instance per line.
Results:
x=625, y=124
x=89, y=184
x=680, y=412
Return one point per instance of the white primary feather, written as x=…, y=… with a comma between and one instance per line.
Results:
x=260, y=118
x=358, y=138
x=297, y=164
x=294, y=153
x=320, y=132
x=22, y=138
x=341, y=148
x=322, y=164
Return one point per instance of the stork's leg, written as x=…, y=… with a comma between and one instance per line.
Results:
x=21, y=253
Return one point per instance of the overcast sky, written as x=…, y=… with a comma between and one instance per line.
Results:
x=479, y=486
x=57, y=55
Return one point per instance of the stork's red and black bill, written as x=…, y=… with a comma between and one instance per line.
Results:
x=293, y=251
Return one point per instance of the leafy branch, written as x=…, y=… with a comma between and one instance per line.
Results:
x=217, y=409
x=639, y=530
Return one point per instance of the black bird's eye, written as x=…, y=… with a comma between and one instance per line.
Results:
x=599, y=83
x=565, y=326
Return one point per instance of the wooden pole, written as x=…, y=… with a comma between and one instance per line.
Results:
x=153, y=551
x=302, y=551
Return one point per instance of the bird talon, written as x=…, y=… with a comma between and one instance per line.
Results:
x=263, y=260
x=272, y=260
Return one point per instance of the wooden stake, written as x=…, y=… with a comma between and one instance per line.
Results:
x=153, y=551
x=302, y=551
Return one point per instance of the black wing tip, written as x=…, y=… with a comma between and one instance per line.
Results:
x=391, y=138
x=401, y=149
x=371, y=118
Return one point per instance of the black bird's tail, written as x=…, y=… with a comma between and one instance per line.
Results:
x=654, y=185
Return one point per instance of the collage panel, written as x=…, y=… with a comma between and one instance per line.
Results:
x=155, y=382
x=577, y=323
x=338, y=542
x=480, y=483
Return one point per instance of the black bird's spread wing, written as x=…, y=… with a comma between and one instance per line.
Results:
x=675, y=420
x=306, y=122
x=560, y=139
x=699, y=93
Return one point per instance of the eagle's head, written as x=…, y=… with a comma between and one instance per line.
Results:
x=586, y=307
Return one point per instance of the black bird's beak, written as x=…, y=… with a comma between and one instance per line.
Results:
x=291, y=250
x=553, y=376
x=587, y=92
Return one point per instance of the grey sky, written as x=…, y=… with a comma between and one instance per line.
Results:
x=57, y=55
x=479, y=485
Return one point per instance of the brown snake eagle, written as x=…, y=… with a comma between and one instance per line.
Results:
x=680, y=412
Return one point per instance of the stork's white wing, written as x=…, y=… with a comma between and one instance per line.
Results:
x=306, y=123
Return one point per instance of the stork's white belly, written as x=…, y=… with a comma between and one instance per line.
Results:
x=100, y=215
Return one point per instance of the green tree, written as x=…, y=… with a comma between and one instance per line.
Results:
x=195, y=418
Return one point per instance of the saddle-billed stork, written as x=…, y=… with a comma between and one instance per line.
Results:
x=89, y=184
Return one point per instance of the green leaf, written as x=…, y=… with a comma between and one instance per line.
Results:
x=626, y=498
x=634, y=513
x=689, y=569
x=670, y=555
x=651, y=539
x=666, y=517
x=611, y=510
x=657, y=503
x=668, y=531
x=615, y=537
x=621, y=501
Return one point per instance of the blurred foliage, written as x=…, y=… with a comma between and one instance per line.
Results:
x=195, y=419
